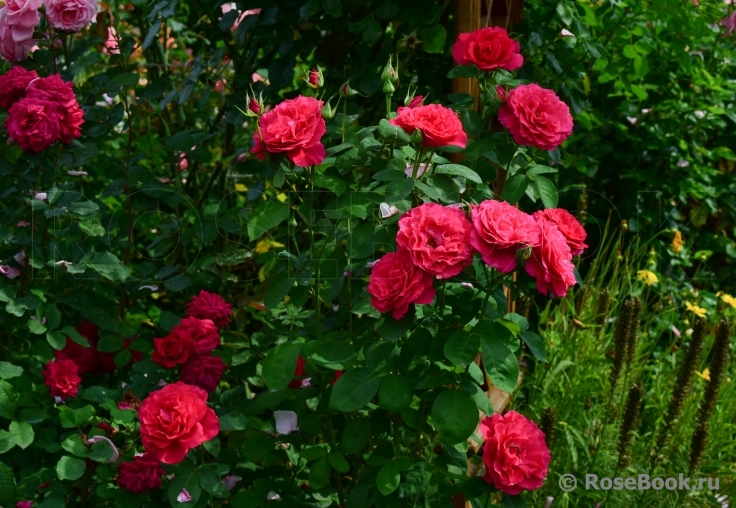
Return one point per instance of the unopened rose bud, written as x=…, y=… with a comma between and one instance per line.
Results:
x=346, y=91
x=241, y=158
x=416, y=101
x=394, y=74
x=417, y=137
x=388, y=70
x=328, y=113
x=524, y=252
x=501, y=93
x=315, y=79
x=388, y=88
x=254, y=107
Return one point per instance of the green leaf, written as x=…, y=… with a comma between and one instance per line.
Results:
x=22, y=433
x=393, y=134
x=472, y=123
x=539, y=169
x=53, y=316
x=332, y=7
x=319, y=474
x=547, y=191
x=277, y=290
x=458, y=170
x=338, y=462
x=479, y=148
x=101, y=452
x=9, y=371
x=463, y=71
x=354, y=389
x=7, y=486
x=91, y=228
x=70, y=468
x=73, y=334
x=396, y=393
x=35, y=327
x=333, y=354
x=6, y=443
x=7, y=396
x=565, y=11
x=234, y=420
x=212, y=483
x=454, y=415
x=74, y=445
x=515, y=188
x=33, y=415
x=500, y=363
x=185, y=479
x=356, y=435
x=462, y=347
x=56, y=340
x=109, y=343
x=388, y=478
x=393, y=330
x=513, y=501
x=180, y=142
x=266, y=216
x=433, y=37
x=535, y=344
x=279, y=366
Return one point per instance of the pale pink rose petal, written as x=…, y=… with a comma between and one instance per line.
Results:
x=566, y=33
x=286, y=422
x=230, y=481
x=115, y=453
x=20, y=258
x=22, y=224
x=184, y=496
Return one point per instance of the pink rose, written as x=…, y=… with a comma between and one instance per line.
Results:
x=536, y=117
x=437, y=239
x=568, y=225
x=489, y=48
x=34, y=124
x=70, y=15
x=61, y=94
x=499, y=230
x=11, y=50
x=551, y=262
x=13, y=85
x=396, y=283
x=440, y=125
x=295, y=127
x=515, y=453
x=22, y=18
x=111, y=44
x=415, y=101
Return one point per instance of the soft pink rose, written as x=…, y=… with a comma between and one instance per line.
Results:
x=536, y=117
x=568, y=225
x=22, y=18
x=111, y=44
x=499, y=230
x=437, y=239
x=551, y=262
x=11, y=50
x=396, y=283
x=70, y=15
x=489, y=48
x=33, y=123
x=440, y=125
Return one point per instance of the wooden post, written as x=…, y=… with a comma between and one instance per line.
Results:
x=468, y=15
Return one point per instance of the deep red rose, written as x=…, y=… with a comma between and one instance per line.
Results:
x=440, y=125
x=203, y=332
x=174, y=420
x=515, y=453
x=34, y=124
x=536, y=117
x=142, y=474
x=295, y=128
x=175, y=348
x=298, y=373
x=568, y=225
x=84, y=357
x=551, y=262
x=62, y=378
x=13, y=85
x=499, y=230
x=210, y=306
x=437, y=239
x=203, y=371
x=61, y=94
x=396, y=283
x=338, y=375
x=489, y=48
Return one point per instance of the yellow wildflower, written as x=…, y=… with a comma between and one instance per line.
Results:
x=281, y=197
x=265, y=245
x=647, y=277
x=698, y=311
x=239, y=187
x=730, y=300
x=677, y=242
x=705, y=374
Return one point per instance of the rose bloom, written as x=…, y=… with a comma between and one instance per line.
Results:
x=295, y=128
x=173, y=349
x=203, y=332
x=551, y=262
x=568, y=225
x=203, y=371
x=142, y=474
x=396, y=283
x=70, y=15
x=515, y=453
x=62, y=378
x=489, y=48
x=437, y=239
x=440, y=125
x=11, y=50
x=61, y=94
x=13, y=85
x=34, y=124
x=22, y=18
x=499, y=230
x=210, y=306
x=536, y=117
x=174, y=420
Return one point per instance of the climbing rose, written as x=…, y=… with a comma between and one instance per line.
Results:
x=13, y=85
x=210, y=306
x=61, y=94
x=568, y=225
x=62, y=378
x=203, y=371
x=70, y=15
x=34, y=124
x=141, y=474
x=439, y=125
x=396, y=283
x=489, y=48
x=551, y=262
x=203, y=332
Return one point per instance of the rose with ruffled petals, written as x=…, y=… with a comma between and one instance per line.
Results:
x=439, y=125
x=211, y=306
x=175, y=348
x=295, y=128
x=396, y=283
x=174, y=420
x=489, y=48
x=61, y=94
x=437, y=239
x=203, y=371
x=141, y=474
x=551, y=261
x=22, y=18
x=70, y=15
x=10, y=50
x=499, y=231
x=62, y=378
x=536, y=117
x=203, y=332
x=34, y=124
x=13, y=85
x=568, y=225
x=515, y=453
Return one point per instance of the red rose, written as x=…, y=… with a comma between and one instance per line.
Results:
x=174, y=420
x=298, y=373
x=440, y=125
x=203, y=371
x=203, y=332
x=338, y=375
x=568, y=225
x=210, y=306
x=396, y=283
x=61, y=94
x=536, y=117
x=437, y=239
x=34, y=124
x=13, y=85
x=551, y=262
x=489, y=48
x=499, y=230
x=415, y=101
x=142, y=474
x=295, y=128
x=515, y=453
x=173, y=349
x=62, y=378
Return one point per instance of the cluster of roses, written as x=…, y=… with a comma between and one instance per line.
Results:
x=41, y=111
x=440, y=241
x=19, y=19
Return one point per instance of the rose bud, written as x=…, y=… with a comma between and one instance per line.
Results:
x=417, y=137
x=388, y=88
x=328, y=113
x=414, y=102
x=254, y=106
x=315, y=78
x=346, y=91
x=501, y=94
